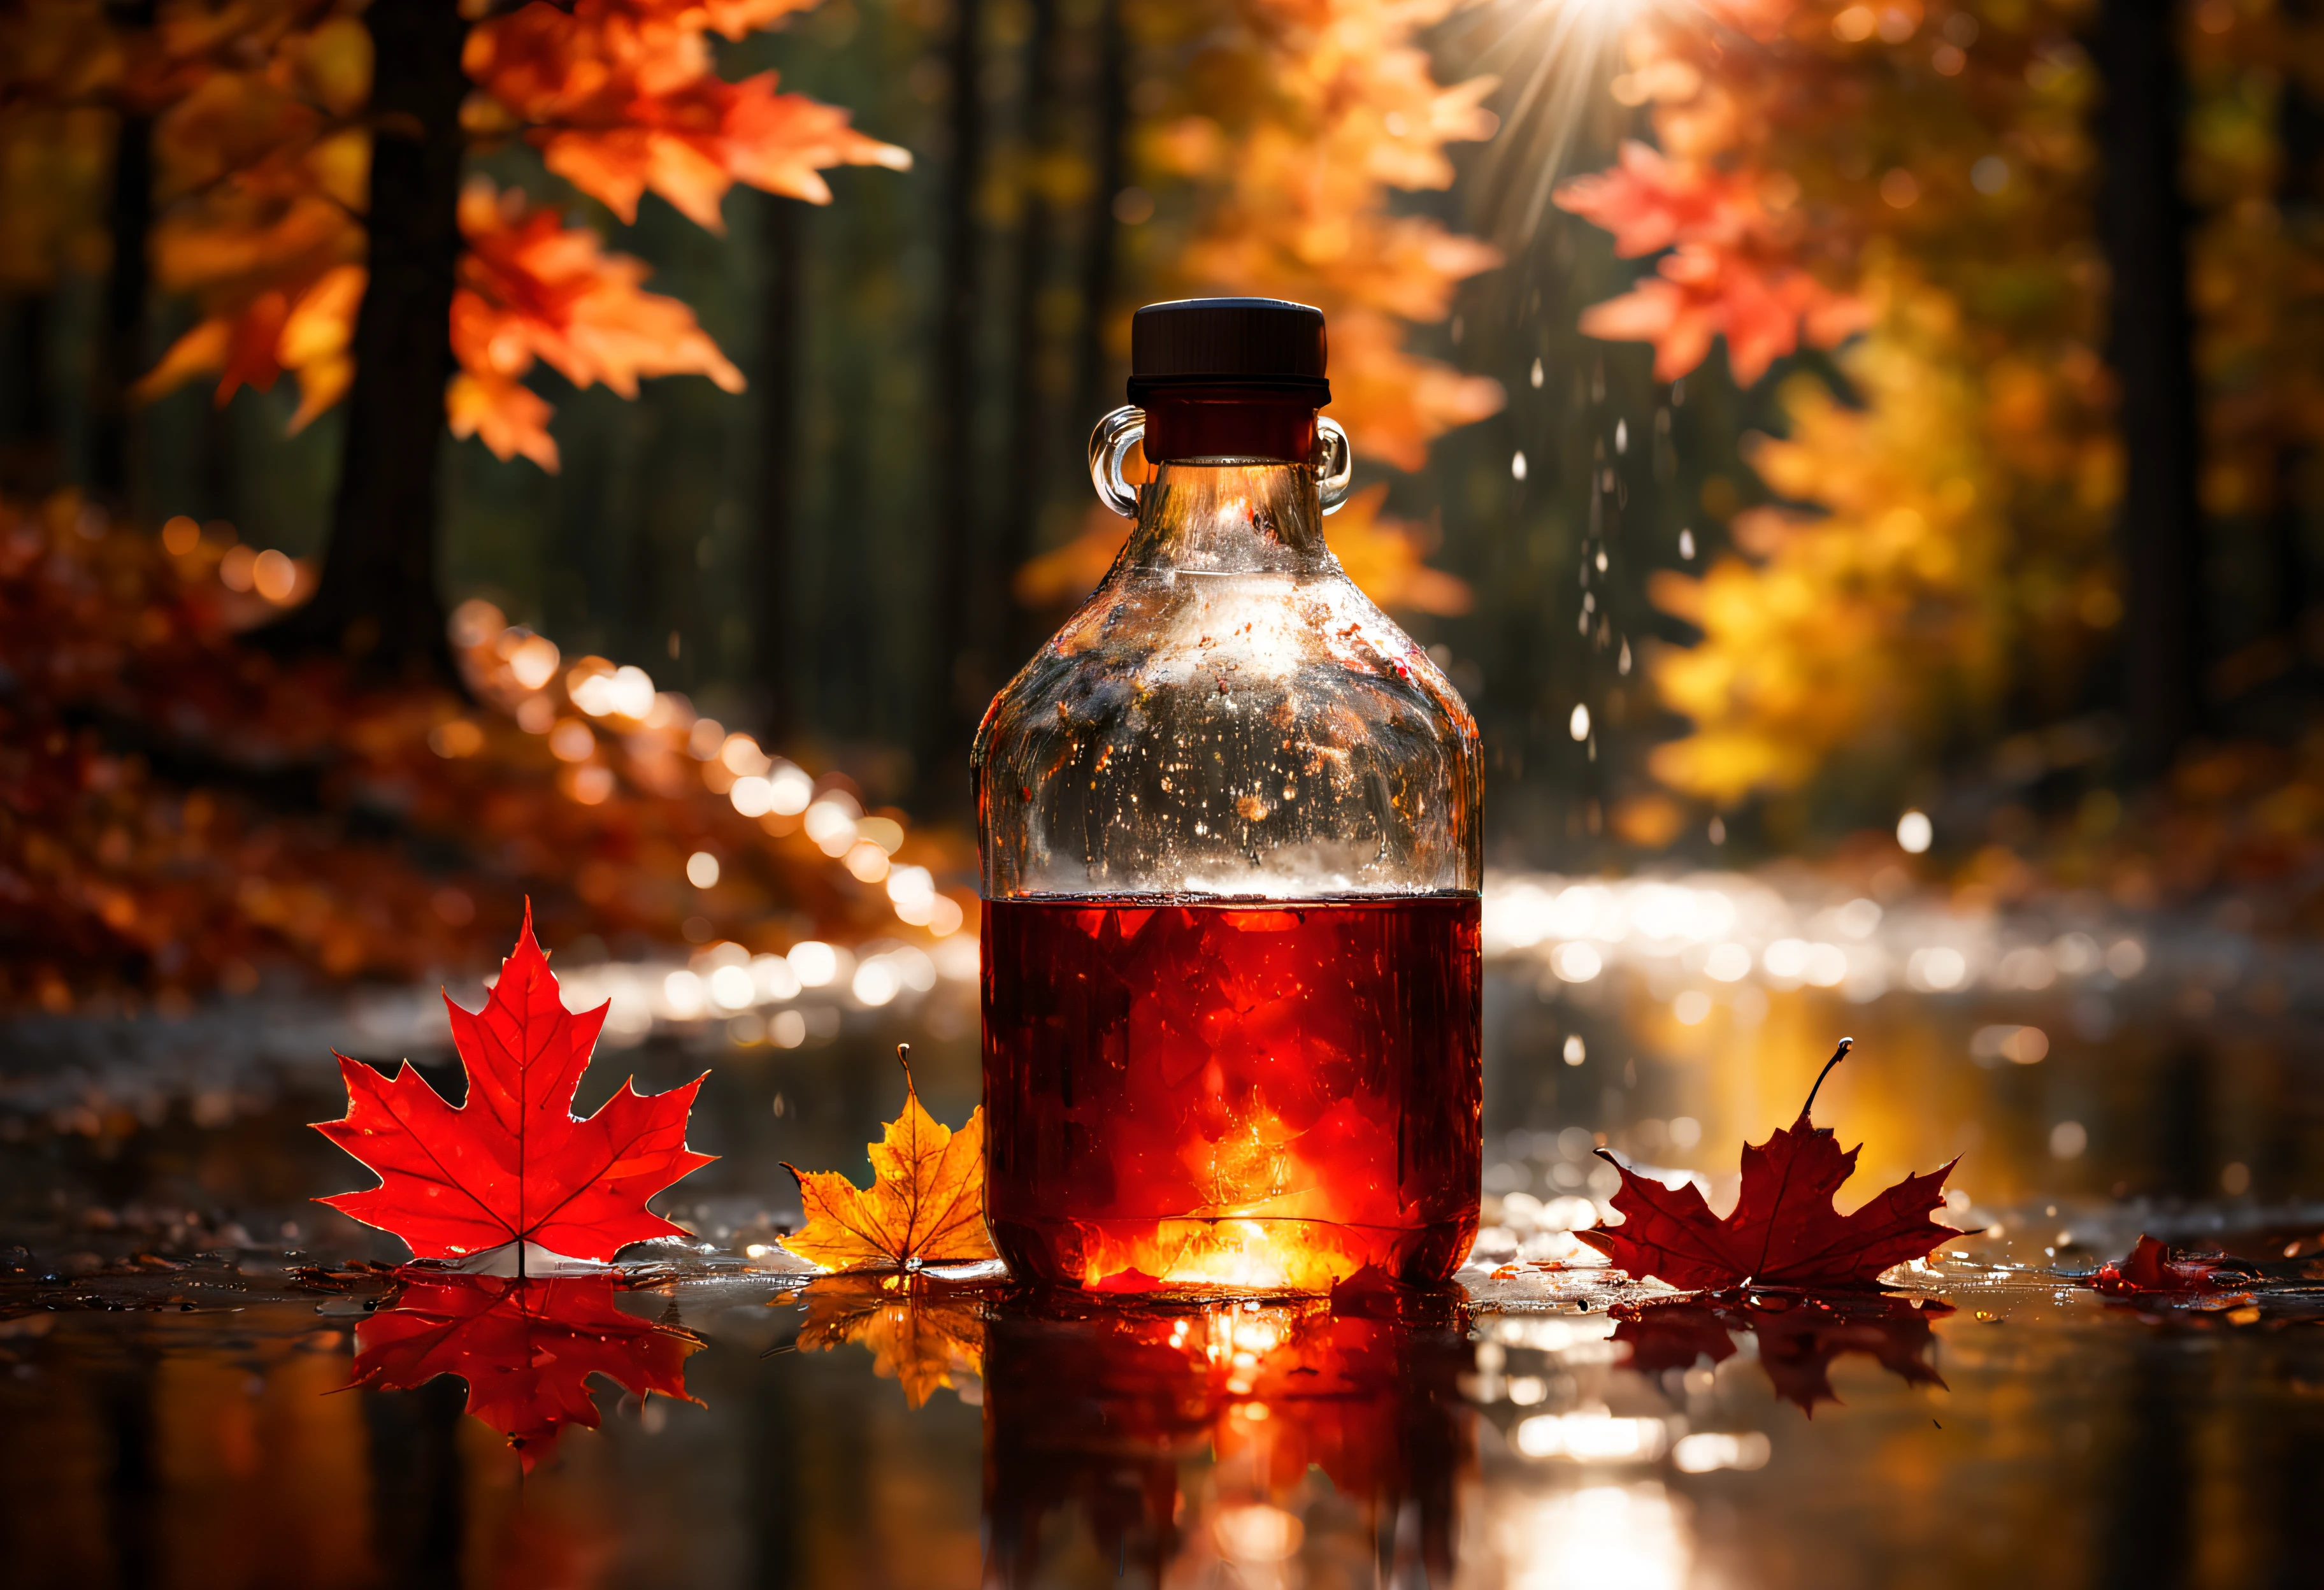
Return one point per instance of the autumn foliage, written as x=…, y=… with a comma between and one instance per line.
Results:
x=925, y=1206
x=1784, y=1231
x=510, y=1164
x=263, y=152
x=262, y=814
x=1920, y=175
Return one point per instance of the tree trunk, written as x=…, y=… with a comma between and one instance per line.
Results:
x=2299, y=195
x=779, y=451
x=120, y=353
x=1015, y=634
x=1098, y=263
x=2145, y=224
x=377, y=601
x=28, y=437
x=953, y=675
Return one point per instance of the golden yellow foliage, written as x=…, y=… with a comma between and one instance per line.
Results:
x=1874, y=616
x=1939, y=547
x=1346, y=110
x=925, y=1206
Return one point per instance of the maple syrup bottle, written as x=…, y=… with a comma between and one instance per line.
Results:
x=1230, y=830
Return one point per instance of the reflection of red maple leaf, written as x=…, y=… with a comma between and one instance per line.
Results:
x=525, y=1348
x=512, y=1164
x=1785, y=1231
x=1798, y=1337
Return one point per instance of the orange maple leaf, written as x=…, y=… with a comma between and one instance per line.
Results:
x=621, y=98
x=1649, y=202
x=925, y=1206
x=534, y=288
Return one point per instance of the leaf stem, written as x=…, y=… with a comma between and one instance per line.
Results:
x=1837, y=1055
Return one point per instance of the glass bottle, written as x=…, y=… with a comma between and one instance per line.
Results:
x=1229, y=823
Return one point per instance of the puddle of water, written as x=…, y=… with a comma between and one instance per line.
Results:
x=181, y=1419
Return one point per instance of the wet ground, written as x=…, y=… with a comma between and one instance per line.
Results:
x=201, y=1379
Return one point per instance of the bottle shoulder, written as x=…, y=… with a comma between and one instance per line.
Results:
x=1246, y=732
x=1160, y=652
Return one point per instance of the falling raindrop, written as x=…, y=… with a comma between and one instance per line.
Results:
x=1600, y=560
x=1536, y=375
x=1578, y=725
x=1623, y=666
x=1621, y=435
x=1517, y=467
x=1686, y=545
x=1678, y=392
x=1718, y=831
x=1575, y=1050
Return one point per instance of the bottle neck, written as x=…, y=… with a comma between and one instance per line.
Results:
x=1233, y=486
x=1187, y=423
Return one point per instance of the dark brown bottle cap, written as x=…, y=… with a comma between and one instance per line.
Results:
x=1265, y=345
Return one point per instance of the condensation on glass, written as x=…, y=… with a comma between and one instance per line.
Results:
x=1228, y=818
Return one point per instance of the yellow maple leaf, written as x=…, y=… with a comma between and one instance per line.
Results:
x=925, y=1206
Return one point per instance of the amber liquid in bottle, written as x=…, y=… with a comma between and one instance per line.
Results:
x=1272, y=1094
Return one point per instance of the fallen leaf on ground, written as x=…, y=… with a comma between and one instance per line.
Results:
x=2153, y=1269
x=526, y=1347
x=925, y=1206
x=1785, y=1231
x=921, y=1336
x=512, y=1164
x=1798, y=1335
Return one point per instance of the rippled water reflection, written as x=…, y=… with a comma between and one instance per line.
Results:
x=176, y=1417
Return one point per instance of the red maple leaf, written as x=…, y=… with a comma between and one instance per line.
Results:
x=2152, y=1269
x=512, y=1164
x=526, y=1347
x=1785, y=1231
x=1798, y=1337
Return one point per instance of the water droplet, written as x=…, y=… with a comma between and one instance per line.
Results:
x=1623, y=666
x=1578, y=725
x=1621, y=435
x=1537, y=377
x=1718, y=831
x=1686, y=545
x=1517, y=467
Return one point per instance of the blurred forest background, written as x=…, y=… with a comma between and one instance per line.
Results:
x=1777, y=414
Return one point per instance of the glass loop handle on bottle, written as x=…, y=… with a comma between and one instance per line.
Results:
x=1125, y=427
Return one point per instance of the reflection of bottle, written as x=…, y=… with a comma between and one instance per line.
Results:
x=1229, y=821
x=1265, y=1393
